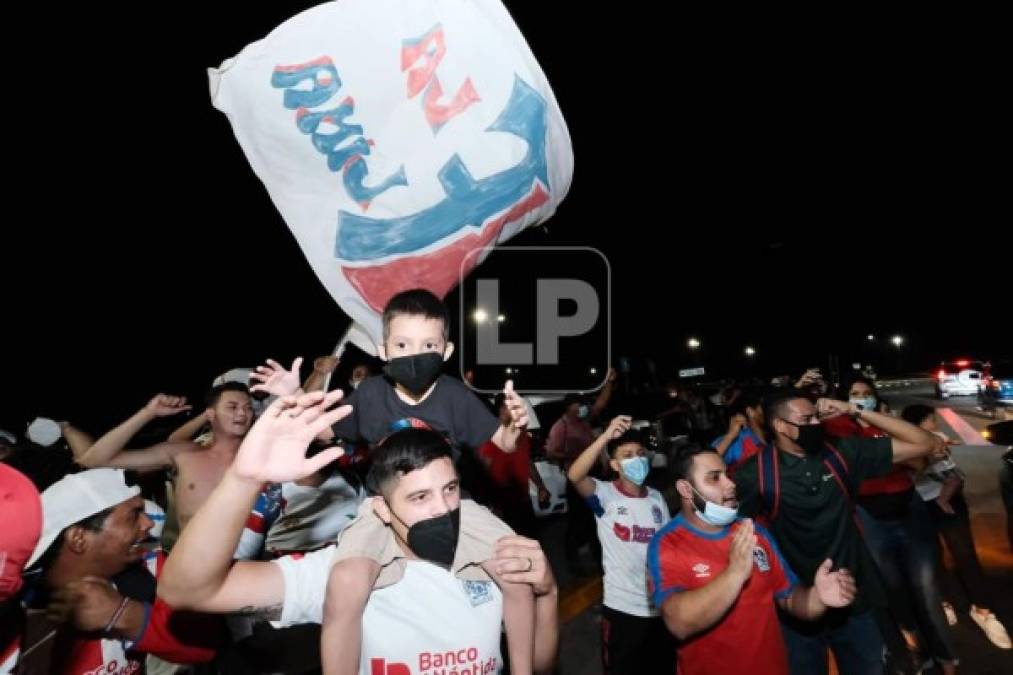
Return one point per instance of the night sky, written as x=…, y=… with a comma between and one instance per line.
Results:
x=792, y=185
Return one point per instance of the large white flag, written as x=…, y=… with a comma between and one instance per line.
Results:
x=395, y=137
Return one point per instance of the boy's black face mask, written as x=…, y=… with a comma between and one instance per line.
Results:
x=417, y=372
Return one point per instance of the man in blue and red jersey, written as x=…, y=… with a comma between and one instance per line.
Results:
x=718, y=579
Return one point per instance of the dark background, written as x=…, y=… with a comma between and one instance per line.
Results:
x=791, y=182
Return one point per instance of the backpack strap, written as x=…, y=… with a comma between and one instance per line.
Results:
x=769, y=474
x=839, y=469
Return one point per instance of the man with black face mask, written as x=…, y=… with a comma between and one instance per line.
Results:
x=415, y=345
x=429, y=618
x=802, y=485
x=418, y=499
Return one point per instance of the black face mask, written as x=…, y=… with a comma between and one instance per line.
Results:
x=417, y=372
x=435, y=539
x=810, y=437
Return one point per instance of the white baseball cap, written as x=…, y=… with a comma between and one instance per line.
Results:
x=241, y=375
x=76, y=497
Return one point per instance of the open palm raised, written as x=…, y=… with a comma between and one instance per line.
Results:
x=275, y=448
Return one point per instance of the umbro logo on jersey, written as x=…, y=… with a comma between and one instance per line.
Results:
x=760, y=557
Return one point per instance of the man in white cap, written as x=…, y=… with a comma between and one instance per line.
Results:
x=242, y=376
x=94, y=575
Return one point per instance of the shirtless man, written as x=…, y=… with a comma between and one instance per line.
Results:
x=198, y=469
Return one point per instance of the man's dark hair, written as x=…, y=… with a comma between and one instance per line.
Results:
x=572, y=398
x=630, y=436
x=917, y=413
x=215, y=394
x=683, y=464
x=403, y=452
x=749, y=398
x=775, y=405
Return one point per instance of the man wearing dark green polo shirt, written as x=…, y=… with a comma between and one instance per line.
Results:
x=813, y=519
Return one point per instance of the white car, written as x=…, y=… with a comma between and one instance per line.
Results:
x=966, y=382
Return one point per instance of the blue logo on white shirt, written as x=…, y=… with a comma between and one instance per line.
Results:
x=479, y=592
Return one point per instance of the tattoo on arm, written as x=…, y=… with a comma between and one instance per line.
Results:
x=272, y=613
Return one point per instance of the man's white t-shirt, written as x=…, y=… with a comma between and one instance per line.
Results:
x=626, y=525
x=429, y=622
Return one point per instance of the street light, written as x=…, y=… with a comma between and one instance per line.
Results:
x=750, y=351
x=480, y=316
x=594, y=371
x=870, y=338
x=898, y=342
x=501, y=318
x=693, y=343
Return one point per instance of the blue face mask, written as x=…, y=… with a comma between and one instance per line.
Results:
x=865, y=403
x=635, y=469
x=714, y=514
